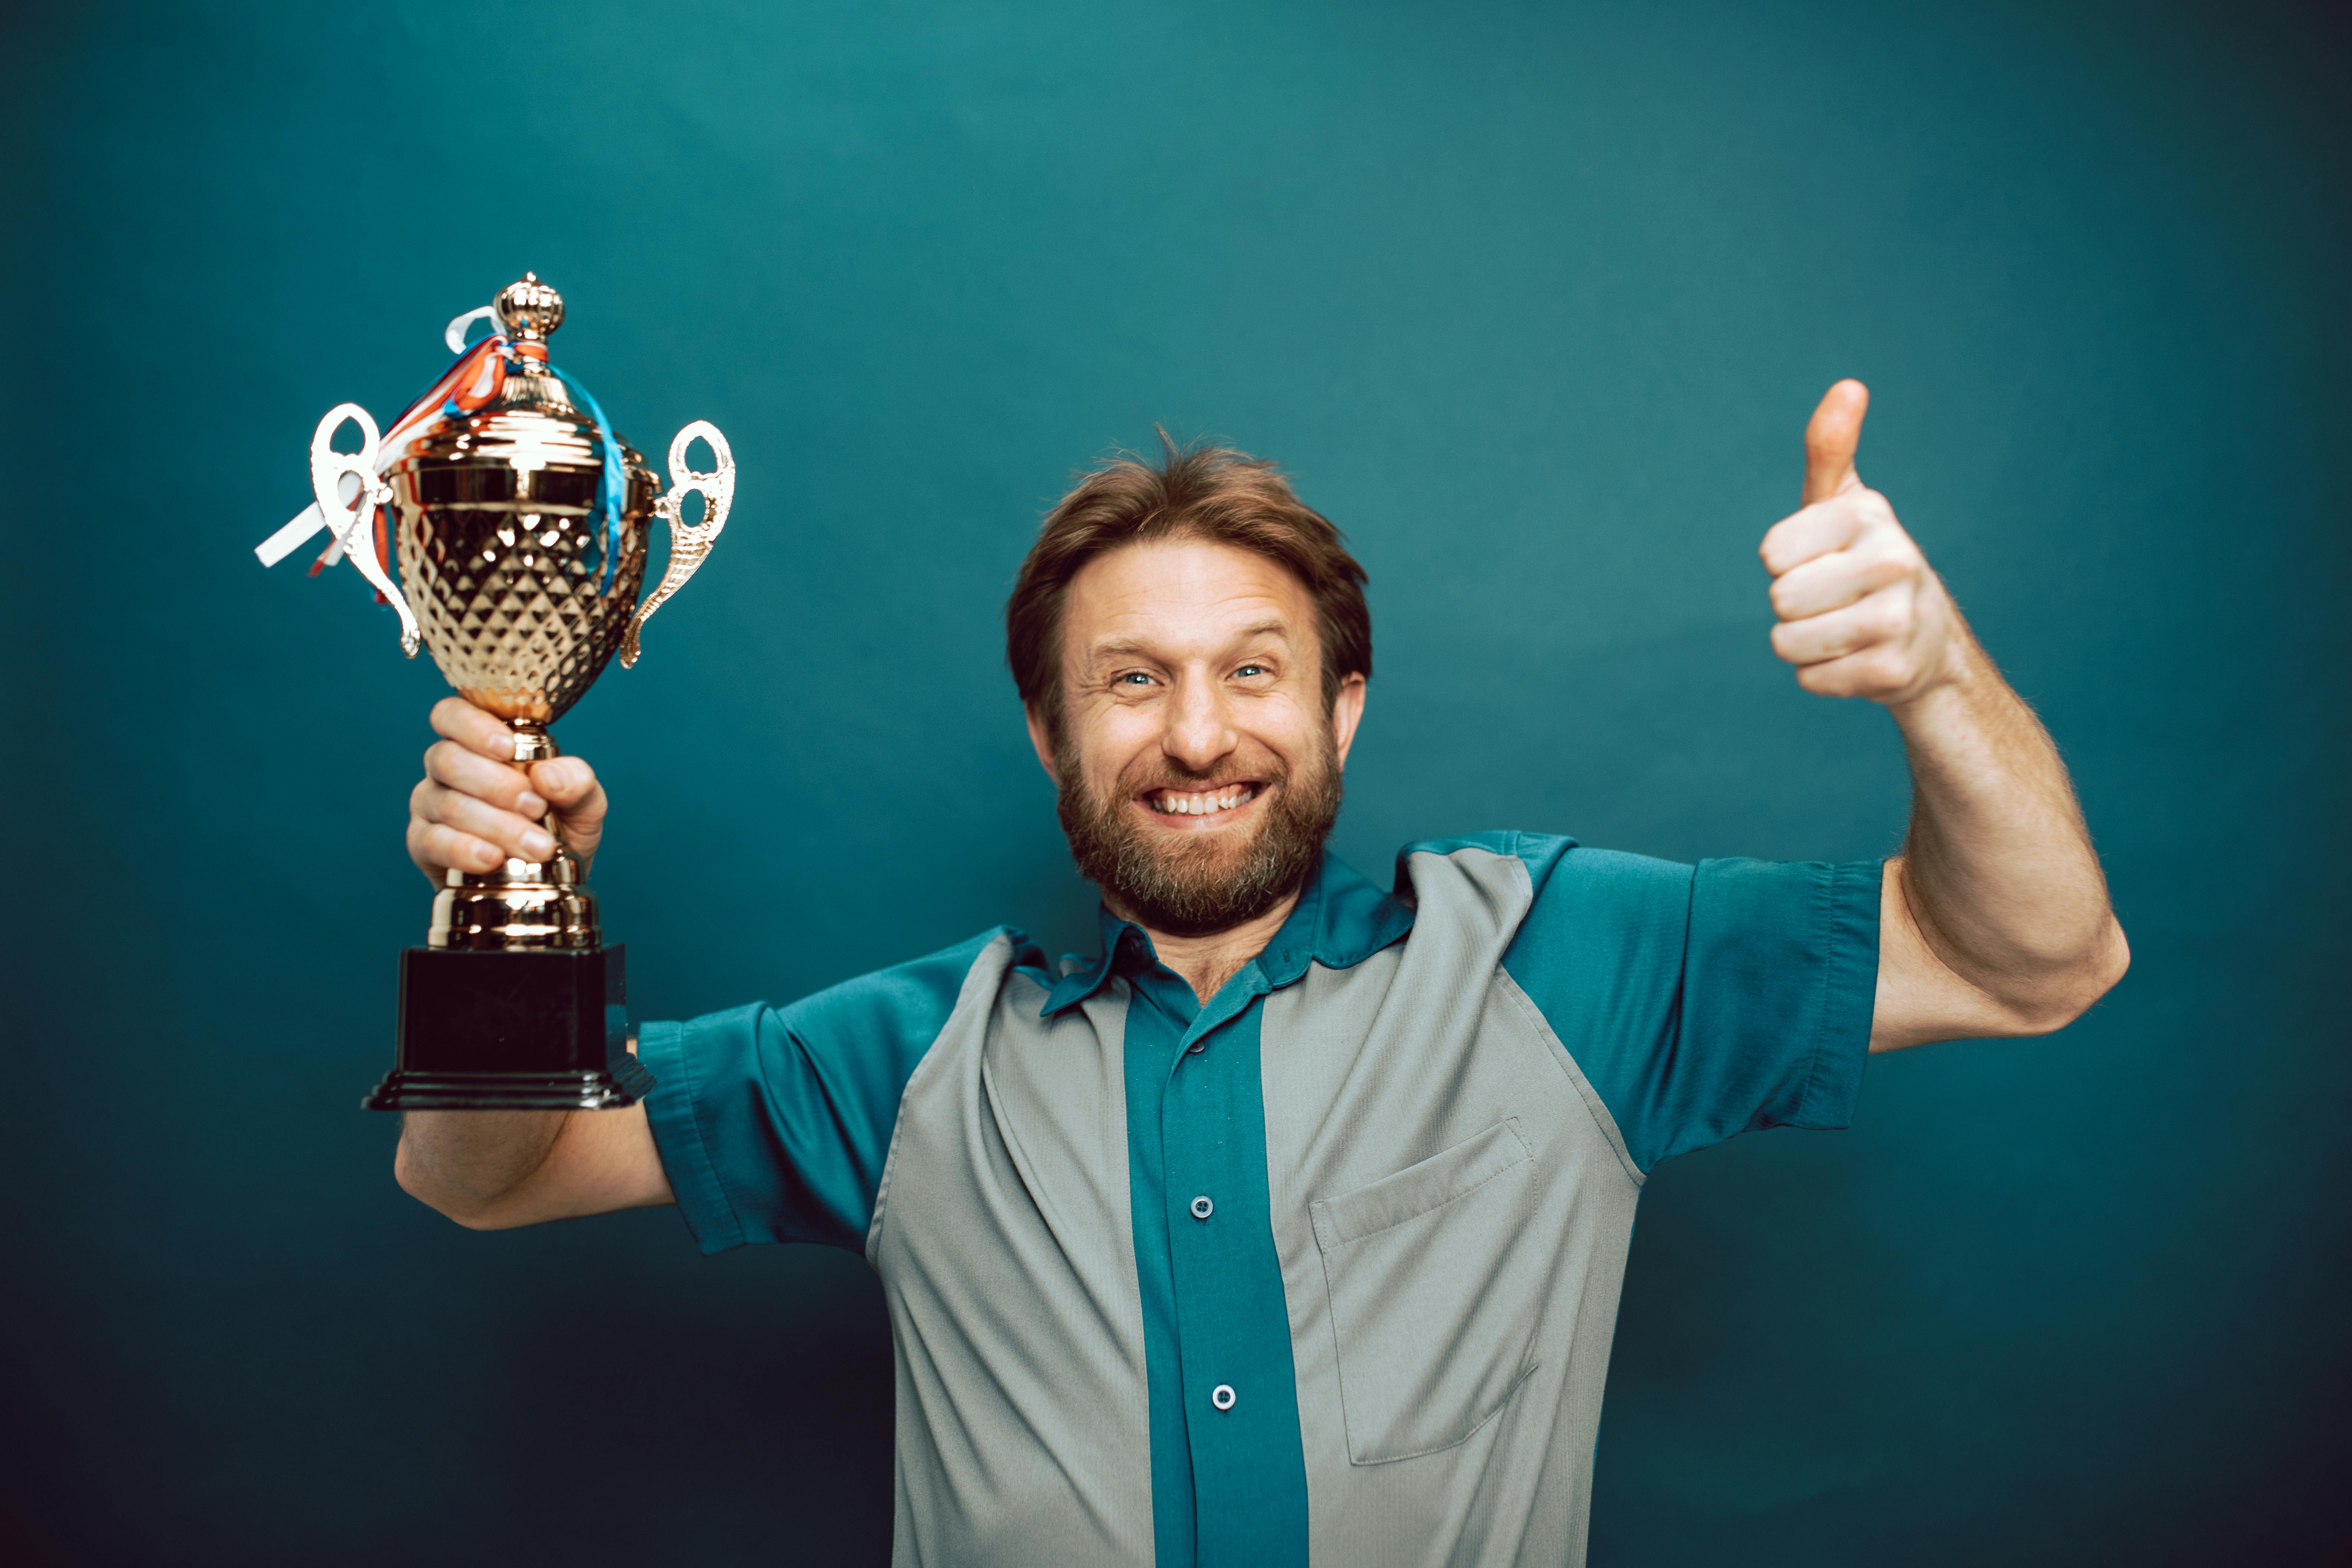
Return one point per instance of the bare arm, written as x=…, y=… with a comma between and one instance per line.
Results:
x=493, y=1170
x=1995, y=920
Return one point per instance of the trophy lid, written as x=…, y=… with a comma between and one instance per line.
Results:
x=528, y=311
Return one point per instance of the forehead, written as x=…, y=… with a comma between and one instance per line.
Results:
x=1180, y=596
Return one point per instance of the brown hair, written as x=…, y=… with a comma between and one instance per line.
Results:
x=1198, y=491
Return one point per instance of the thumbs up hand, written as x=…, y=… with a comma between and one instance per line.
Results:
x=1860, y=613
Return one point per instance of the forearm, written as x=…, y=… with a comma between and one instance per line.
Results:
x=473, y=1165
x=1997, y=873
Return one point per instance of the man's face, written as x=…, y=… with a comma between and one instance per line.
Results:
x=1198, y=769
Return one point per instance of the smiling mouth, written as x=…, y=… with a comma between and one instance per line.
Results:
x=1202, y=803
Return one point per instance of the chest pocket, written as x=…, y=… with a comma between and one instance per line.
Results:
x=1434, y=1330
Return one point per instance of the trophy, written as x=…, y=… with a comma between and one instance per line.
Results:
x=519, y=518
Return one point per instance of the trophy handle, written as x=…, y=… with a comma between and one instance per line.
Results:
x=350, y=523
x=690, y=542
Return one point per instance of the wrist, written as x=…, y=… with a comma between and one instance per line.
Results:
x=1957, y=668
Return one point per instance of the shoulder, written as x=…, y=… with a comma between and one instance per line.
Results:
x=1551, y=869
x=920, y=995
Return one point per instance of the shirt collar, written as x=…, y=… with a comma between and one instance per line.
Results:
x=1340, y=920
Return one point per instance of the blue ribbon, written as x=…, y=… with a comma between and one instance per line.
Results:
x=616, y=481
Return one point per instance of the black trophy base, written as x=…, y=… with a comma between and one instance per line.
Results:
x=512, y=1031
x=609, y=1090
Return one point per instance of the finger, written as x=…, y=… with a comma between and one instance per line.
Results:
x=436, y=849
x=452, y=764
x=516, y=836
x=1831, y=438
x=1843, y=577
x=1816, y=531
x=455, y=719
x=1879, y=672
x=1882, y=618
x=570, y=784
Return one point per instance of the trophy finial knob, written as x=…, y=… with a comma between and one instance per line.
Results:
x=529, y=309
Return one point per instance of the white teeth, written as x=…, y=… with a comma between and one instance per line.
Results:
x=1169, y=803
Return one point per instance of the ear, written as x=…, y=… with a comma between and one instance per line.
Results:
x=1347, y=712
x=1043, y=747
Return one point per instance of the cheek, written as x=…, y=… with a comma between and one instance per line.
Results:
x=1111, y=743
x=1291, y=730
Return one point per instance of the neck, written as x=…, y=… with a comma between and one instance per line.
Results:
x=1207, y=962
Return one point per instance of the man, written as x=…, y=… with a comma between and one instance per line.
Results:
x=1291, y=1227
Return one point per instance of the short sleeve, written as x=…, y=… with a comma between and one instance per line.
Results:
x=773, y=1123
x=1703, y=1001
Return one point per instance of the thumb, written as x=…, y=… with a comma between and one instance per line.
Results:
x=1831, y=438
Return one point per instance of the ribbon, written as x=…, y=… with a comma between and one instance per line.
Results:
x=616, y=483
x=476, y=377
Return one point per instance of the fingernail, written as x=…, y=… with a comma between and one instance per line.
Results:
x=537, y=845
x=530, y=805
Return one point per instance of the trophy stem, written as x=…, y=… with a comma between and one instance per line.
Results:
x=532, y=743
x=533, y=906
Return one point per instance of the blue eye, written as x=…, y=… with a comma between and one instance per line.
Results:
x=1135, y=675
x=1252, y=669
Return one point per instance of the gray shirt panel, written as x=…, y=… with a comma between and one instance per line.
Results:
x=1453, y=1209
x=1005, y=1246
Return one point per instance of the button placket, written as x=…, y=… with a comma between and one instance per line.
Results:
x=1194, y=1159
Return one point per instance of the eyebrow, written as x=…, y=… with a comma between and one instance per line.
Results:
x=1119, y=646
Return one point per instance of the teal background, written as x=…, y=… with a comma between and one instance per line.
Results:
x=1533, y=301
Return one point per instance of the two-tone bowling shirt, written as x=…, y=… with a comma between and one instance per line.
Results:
x=1321, y=1271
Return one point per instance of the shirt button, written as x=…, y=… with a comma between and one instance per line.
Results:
x=1202, y=1208
x=1196, y=1048
x=1221, y=1396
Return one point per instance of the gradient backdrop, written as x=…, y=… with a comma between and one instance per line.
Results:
x=1533, y=301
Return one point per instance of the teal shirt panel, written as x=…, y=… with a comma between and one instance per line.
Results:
x=1700, y=1000
x=1228, y=1487
x=773, y=1123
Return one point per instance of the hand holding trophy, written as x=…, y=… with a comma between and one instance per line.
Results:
x=519, y=518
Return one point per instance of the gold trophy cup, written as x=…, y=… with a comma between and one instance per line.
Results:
x=519, y=518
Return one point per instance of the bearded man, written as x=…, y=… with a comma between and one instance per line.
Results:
x=1289, y=1227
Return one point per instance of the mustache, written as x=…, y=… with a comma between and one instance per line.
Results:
x=1161, y=775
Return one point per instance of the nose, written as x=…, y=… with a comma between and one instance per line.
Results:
x=1199, y=732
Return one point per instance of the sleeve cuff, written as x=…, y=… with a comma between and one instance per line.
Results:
x=674, y=1112
x=1849, y=938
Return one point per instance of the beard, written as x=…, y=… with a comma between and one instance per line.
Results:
x=1194, y=884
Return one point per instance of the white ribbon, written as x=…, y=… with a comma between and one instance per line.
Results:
x=306, y=524
x=453, y=335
